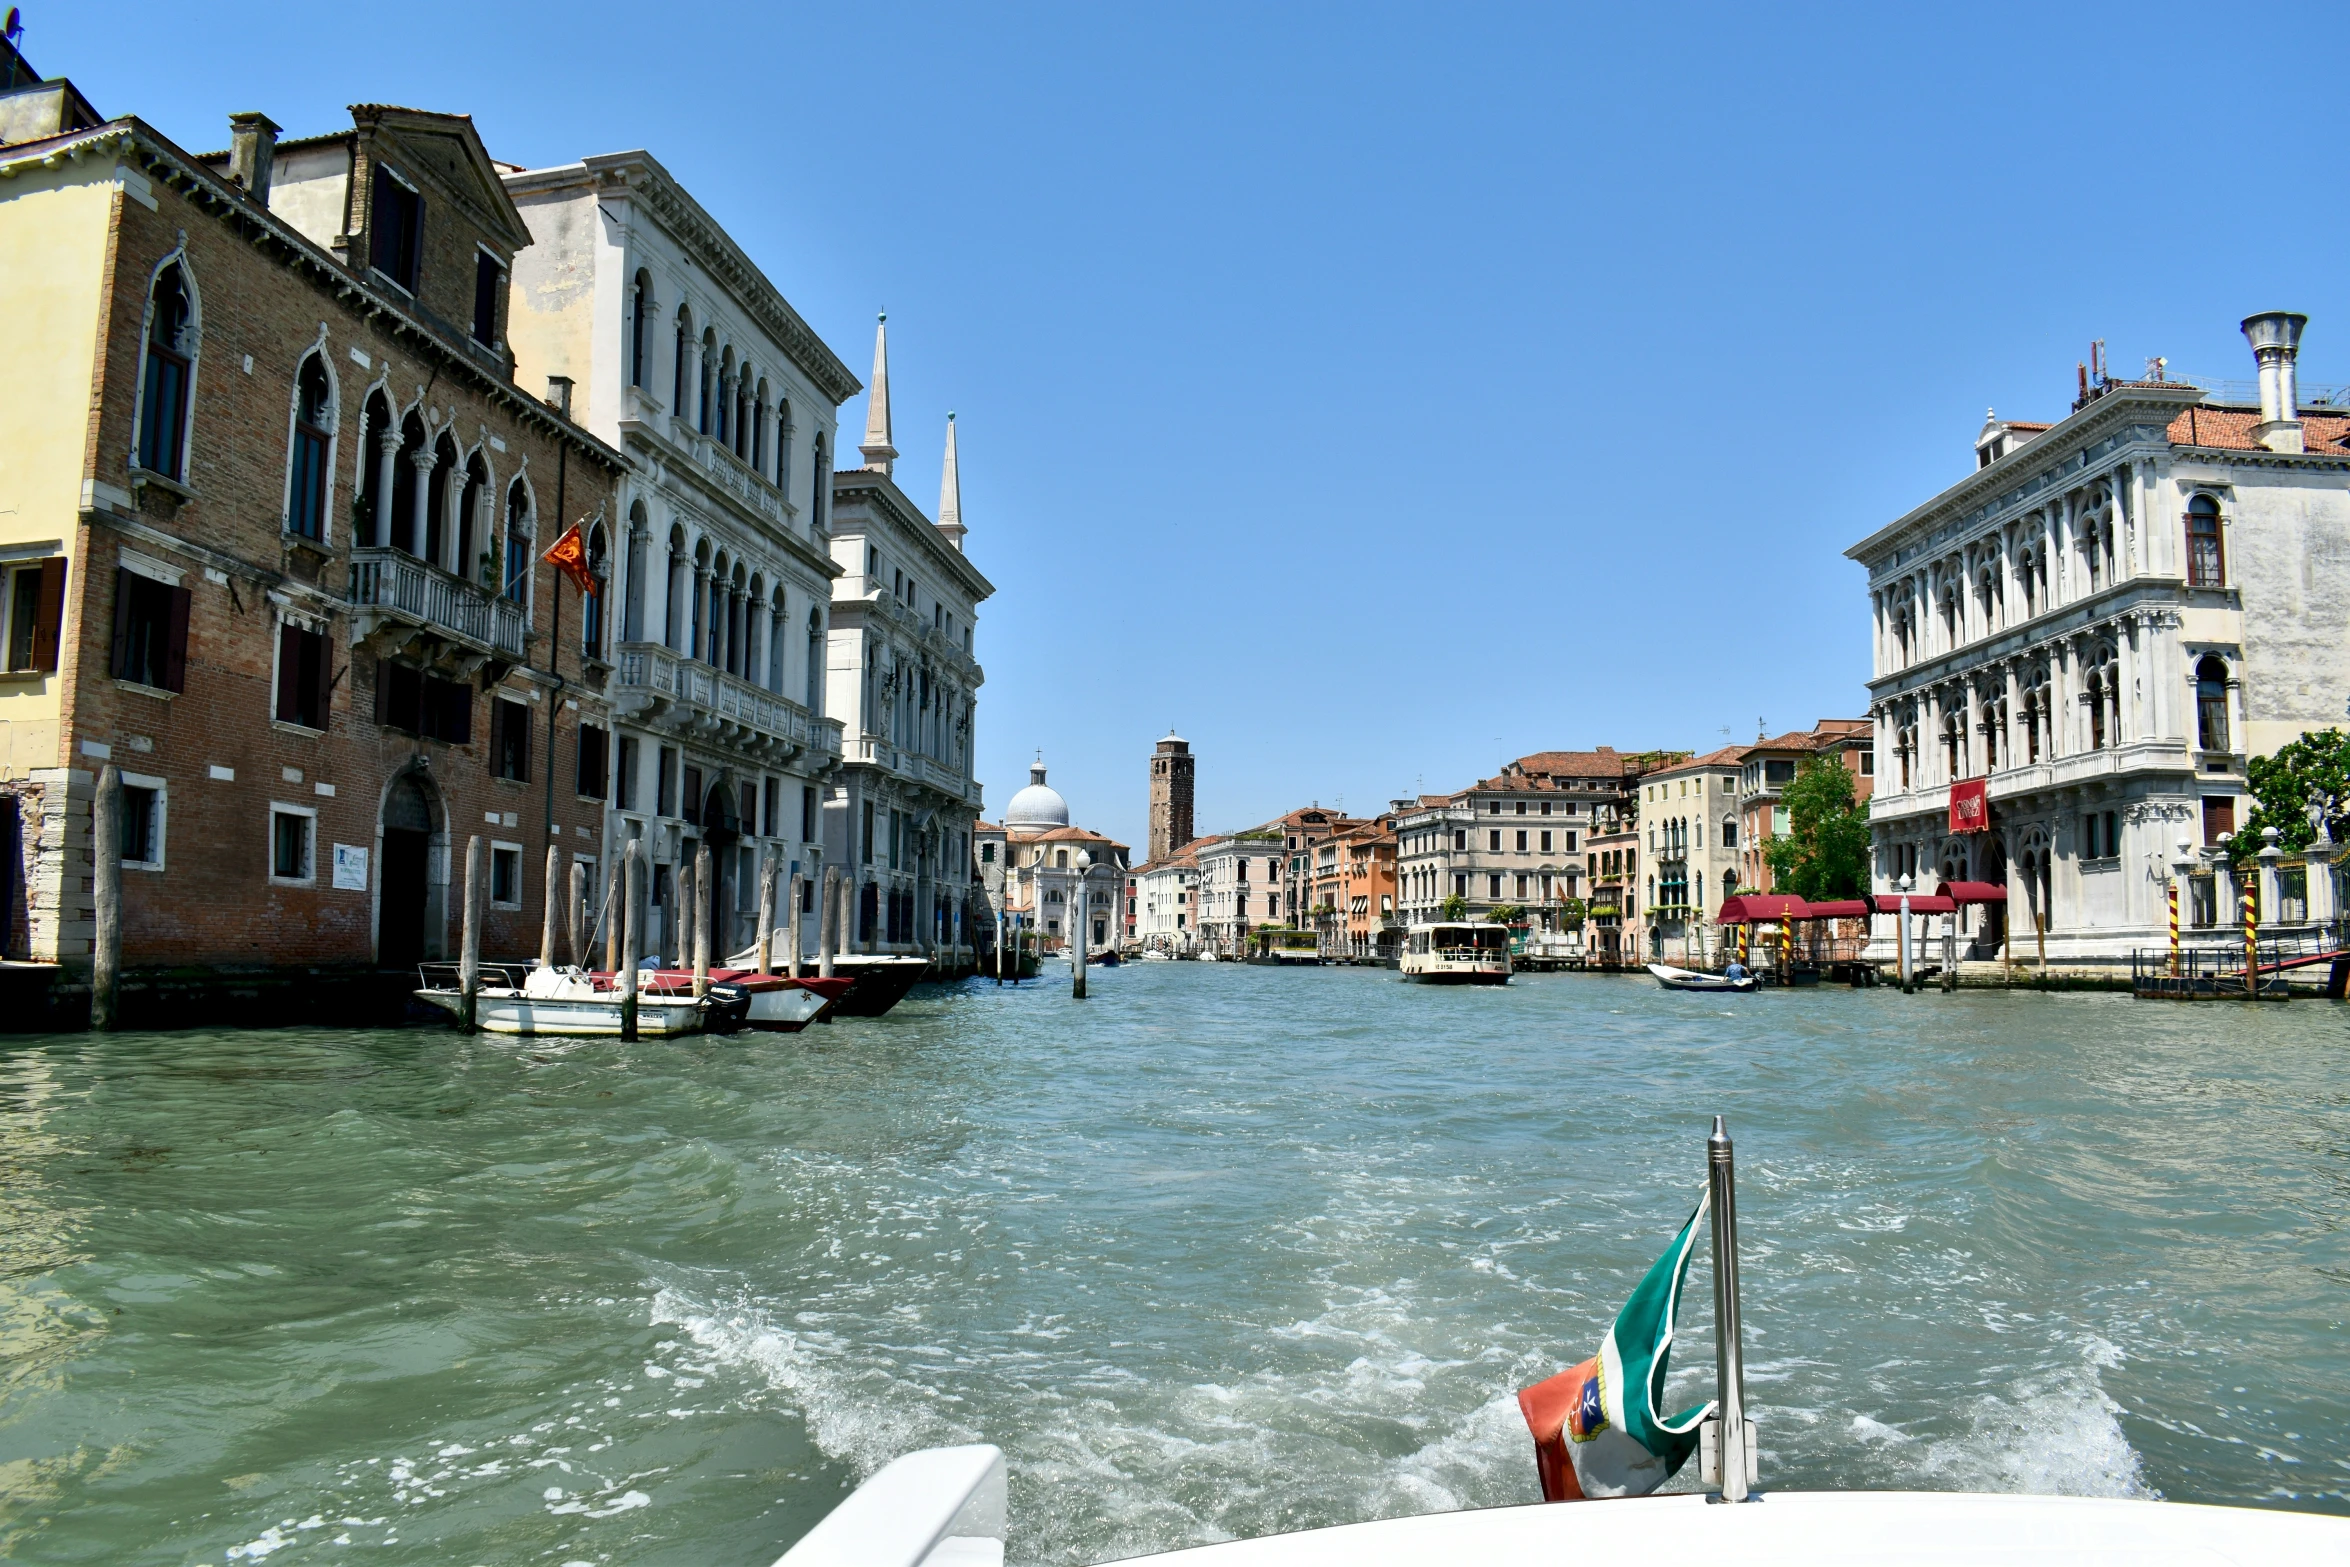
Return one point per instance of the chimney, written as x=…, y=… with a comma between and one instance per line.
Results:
x=559, y=394
x=252, y=151
x=2275, y=337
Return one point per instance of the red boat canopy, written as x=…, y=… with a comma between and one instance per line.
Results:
x=1970, y=892
x=1749, y=907
x=1919, y=903
x=1841, y=909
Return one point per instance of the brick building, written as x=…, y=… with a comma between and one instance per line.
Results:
x=271, y=526
x=1768, y=766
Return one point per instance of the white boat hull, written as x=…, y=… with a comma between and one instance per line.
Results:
x=786, y=1010
x=1690, y=979
x=511, y=1013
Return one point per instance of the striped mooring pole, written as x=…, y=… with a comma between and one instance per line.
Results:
x=2174, y=927
x=2251, y=943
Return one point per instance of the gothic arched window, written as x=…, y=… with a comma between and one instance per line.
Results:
x=2205, y=563
x=2211, y=705
x=640, y=310
x=312, y=462
x=171, y=368
x=518, y=543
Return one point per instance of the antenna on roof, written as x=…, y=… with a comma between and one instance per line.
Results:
x=1760, y=729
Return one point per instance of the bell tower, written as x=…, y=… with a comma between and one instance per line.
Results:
x=1170, y=797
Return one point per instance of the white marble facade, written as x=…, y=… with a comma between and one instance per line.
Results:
x=2103, y=622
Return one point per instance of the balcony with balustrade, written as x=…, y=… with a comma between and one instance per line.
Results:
x=415, y=606
x=913, y=767
x=663, y=689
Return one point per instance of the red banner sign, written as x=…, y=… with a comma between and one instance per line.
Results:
x=1970, y=806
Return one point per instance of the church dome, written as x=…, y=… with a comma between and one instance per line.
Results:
x=1036, y=805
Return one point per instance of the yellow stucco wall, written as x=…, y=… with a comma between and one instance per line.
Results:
x=53, y=234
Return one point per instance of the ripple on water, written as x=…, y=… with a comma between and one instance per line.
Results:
x=1223, y=1251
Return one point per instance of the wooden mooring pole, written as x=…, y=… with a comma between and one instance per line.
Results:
x=624, y=978
x=106, y=891
x=554, y=885
x=791, y=925
x=469, y=949
x=767, y=870
x=705, y=916
x=578, y=914
x=828, y=922
x=613, y=887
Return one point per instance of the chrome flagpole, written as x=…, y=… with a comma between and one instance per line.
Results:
x=1733, y=1436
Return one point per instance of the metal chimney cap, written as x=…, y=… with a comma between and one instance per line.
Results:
x=2275, y=329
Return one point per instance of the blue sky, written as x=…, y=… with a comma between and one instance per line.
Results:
x=1371, y=392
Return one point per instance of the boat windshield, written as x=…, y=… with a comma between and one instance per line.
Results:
x=1485, y=938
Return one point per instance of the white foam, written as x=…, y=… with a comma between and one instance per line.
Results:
x=2057, y=1434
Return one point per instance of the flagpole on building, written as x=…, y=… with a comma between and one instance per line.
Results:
x=1730, y=1425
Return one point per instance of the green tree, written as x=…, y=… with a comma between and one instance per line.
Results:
x=1455, y=907
x=1505, y=914
x=1824, y=853
x=1571, y=912
x=2312, y=769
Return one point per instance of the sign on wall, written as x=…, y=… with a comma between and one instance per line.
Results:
x=350, y=868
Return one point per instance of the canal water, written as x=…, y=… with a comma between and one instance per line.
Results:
x=1222, y=1251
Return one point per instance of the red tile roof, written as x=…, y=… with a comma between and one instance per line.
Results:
x=2230, y=429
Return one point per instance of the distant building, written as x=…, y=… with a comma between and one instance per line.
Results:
x=2097, y=628
x=1171, y=780
x=1241, y=882
x=1163, y=904
x=1690, y=826
x=1767, y=767
x=1370, y=923
x=1516, y=839
x=1041, y=881
x=1300, y=830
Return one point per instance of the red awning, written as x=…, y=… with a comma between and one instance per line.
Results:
x=1841, y=909
x=1919, y=903
x=1749, y=907
x=1970, y=892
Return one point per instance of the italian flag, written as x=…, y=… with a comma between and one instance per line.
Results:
x=1597, y=1432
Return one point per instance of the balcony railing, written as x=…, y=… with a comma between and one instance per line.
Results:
x=699, y=689
x=907, y=764
x=399, y=584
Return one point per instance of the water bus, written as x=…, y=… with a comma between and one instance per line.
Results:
x=1463, y=952
x=1285, y=947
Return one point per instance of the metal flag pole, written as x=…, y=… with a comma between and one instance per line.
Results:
x=1733, y=1433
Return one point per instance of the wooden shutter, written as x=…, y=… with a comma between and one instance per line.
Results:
x=120, y=665
x=289, y=672
x=383, y=683
x=324, y=645
x=49, y=621
x=175, y=649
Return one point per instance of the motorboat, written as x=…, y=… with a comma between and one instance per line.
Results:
x=948, y=1506
x=776, y=1003
x=1690, y=979
x=881, y=981
x=1106, y=958
x=510, y=999
x=1457, y=952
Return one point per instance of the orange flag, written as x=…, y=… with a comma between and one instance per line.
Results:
x=568, y=555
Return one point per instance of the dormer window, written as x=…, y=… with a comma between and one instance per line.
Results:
x=396, y=245
x=1991, y=451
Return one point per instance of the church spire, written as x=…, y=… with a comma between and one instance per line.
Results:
x=950, y=492
x=879, y=453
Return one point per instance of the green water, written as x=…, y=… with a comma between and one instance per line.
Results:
x=1222, y=1251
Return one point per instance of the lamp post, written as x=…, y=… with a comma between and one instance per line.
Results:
x=1077, y=926
x=1907, y=884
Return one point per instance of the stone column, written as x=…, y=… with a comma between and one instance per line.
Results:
x=387, y=447
x=419, y=495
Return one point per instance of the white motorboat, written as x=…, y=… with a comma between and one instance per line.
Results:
x=1462, y=952
x=1690, y=979
x=567, y=1001
x=947, y=1506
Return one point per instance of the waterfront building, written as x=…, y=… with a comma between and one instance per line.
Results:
x=1612, y=858
x=1766, y=767
x=272, y=520
x=1370, y=924
x=1171, y=789
x=1690, y=828
x=2091, y=633
x=1300, y=830
x=1041, y=881
x=1515, y=839
x=904, y=682
x=688, y=359
x=1162, y=905
x=1240, y=885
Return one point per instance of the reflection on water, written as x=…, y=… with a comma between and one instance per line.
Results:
x=1219, y=1252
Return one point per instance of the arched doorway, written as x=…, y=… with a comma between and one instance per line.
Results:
x=722, y=831
x=408, y=898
